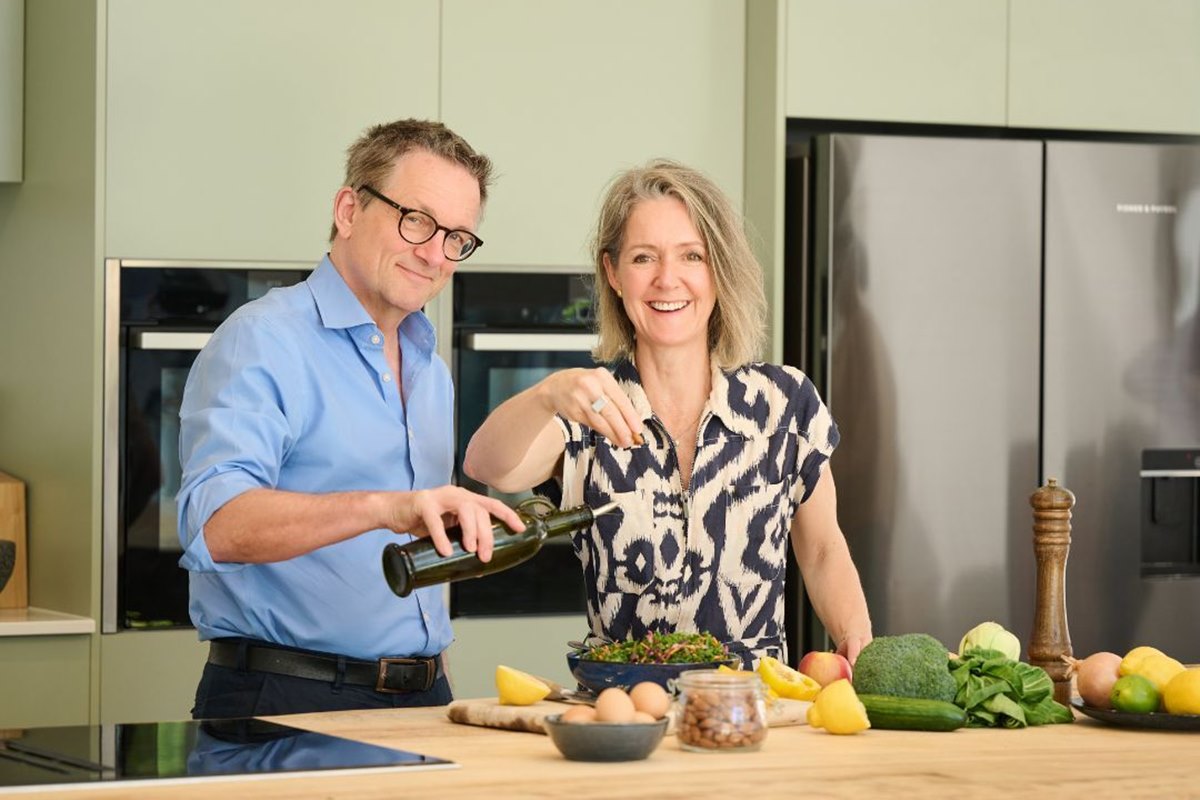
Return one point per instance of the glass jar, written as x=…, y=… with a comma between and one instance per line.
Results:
x=720, y=712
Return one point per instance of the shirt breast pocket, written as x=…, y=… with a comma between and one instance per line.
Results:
x=756, y=529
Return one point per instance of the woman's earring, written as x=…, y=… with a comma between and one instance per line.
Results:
x=619, y=293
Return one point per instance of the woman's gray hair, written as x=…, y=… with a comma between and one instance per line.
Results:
x=736, y=328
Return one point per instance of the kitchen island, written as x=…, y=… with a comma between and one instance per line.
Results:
x=1087, y=758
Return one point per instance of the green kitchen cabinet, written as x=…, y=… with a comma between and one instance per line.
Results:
x=927, y=61
x=44, y=680
x=1110, y=65
x=149, y=675
x=564, y=95
x=12, y=89
x=227, y=122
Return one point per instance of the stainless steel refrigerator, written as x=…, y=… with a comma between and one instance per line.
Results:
x=981, y=314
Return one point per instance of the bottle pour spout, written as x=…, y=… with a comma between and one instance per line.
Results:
x=606, y=508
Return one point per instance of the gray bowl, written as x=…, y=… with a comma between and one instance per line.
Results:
x=604, y=741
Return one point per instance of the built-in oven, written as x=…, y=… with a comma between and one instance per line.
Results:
x=510, y=330
x=158, y=315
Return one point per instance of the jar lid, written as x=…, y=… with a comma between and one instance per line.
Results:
x=716, y=679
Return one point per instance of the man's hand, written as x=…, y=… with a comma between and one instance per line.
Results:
x=427, y=512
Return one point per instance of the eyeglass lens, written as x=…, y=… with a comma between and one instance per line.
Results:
x=417, y=227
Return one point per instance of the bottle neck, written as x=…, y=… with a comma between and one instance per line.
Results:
x=568, y=521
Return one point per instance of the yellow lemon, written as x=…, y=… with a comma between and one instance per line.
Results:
x=1182, y=693
x=517, y=688
x=1132, y=661
x=837, y=709
x=785, y=681
x=1154, y=665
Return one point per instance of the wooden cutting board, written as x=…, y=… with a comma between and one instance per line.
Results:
x=488, y=713
x=12, y=527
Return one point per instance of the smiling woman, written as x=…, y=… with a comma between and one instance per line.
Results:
x=717, y=460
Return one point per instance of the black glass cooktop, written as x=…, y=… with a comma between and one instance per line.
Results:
x=183, y=750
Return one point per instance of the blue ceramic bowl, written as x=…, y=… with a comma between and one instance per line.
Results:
x=597, y=676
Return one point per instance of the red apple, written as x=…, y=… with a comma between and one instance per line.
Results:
x=825, y=668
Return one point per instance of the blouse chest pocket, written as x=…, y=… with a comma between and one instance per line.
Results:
x=758, y=509
x=756, y=528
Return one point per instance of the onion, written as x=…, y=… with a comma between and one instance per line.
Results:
x=1095, y=676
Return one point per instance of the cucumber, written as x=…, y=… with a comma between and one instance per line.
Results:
x=912, y=714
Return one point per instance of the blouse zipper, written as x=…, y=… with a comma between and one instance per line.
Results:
x=687, y=493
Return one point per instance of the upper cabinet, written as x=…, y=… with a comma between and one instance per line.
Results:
x=934, y=61
x=228, y=122
x=1111, y=65
x=12, y=89
x=563, y=95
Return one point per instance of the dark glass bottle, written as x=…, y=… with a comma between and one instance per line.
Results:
x=416, y=564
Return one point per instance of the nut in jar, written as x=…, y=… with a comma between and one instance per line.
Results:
x=720, y=711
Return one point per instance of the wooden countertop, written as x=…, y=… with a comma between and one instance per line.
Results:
x=1087, y=758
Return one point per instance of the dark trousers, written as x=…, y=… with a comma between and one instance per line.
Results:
x=226, y=692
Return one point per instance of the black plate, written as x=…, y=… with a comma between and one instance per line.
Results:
x=1161, y=721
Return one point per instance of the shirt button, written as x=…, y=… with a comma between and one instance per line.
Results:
x=387, y=377
x=375, y=339
x=425, y=616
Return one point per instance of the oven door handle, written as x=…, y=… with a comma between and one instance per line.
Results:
x=530, y=342
x=169, y=340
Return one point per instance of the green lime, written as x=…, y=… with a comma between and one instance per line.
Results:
x=1135, y=694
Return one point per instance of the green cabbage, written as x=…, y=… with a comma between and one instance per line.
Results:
x=991, y=636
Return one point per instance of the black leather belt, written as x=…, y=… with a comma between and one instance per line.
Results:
x=390, y=675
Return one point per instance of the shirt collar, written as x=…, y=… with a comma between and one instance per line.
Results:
x=717, y=404
x=339, y=308
x=336, y=303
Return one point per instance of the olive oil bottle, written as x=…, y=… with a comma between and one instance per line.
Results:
x=417, y=564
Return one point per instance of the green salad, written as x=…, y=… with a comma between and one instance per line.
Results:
x=662, y=648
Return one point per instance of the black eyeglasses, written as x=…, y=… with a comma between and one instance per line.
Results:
x=417, y=227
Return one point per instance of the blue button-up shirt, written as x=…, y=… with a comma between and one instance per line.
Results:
x=293, y=392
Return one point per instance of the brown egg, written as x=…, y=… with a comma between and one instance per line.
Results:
x=642, y=718
x=613, y=705
x=650, y=698
x=579, y=714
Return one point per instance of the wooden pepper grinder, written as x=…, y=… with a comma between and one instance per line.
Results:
x=1051, y=540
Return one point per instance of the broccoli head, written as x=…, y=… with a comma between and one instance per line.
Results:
x=909, y=665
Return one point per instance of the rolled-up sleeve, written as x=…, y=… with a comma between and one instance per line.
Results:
x=818, y=438
x=234, y=429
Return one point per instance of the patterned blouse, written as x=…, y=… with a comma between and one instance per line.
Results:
x=712, y=557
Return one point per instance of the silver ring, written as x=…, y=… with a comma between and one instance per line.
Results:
x=599, y=403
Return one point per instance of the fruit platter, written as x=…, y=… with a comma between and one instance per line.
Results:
x=1129, y=719
x=1145, y=688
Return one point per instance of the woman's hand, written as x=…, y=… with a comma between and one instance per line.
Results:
x=592, y=397
x=427, y=512
x=852, y=645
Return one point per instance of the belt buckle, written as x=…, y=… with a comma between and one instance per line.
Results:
x=385, y=663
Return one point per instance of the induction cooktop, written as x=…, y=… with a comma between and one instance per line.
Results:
x=191, y=749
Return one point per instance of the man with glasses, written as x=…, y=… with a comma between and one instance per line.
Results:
x=316, y=427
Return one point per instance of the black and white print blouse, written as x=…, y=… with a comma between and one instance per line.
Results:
x=711, y=558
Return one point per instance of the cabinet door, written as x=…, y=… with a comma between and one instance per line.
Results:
x=563, y=95
x=228, y=122
x=45, y=680
x=1110, y=65
x=939, y=61
x=12, y=89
